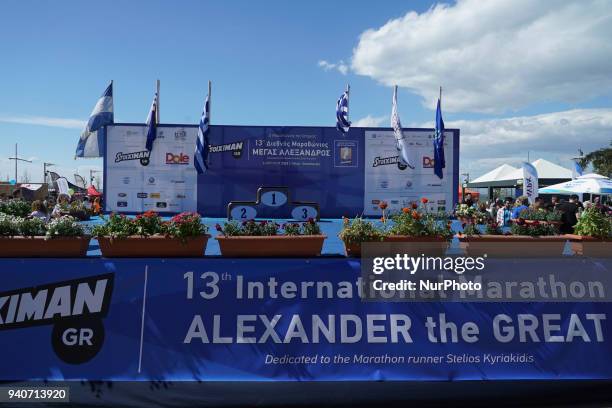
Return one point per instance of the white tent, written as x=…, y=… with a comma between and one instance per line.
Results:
x=508, y=176
x=581, y=185
x=592, y=176
x=546, y=170
x=498, y=173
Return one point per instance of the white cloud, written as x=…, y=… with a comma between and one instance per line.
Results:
x=494, y=56
x=341, y=66
x=372, y=121
x=44, y=121
x=486, y=144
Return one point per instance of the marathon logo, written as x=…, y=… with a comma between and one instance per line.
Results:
x=235, y=148
x=144, y=157
x=51, y=303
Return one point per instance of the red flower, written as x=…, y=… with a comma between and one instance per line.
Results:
x=405, y=210
x=383, y=205
x=424, y=200
x=414, y=206
x=219, y=228
x=416, y=215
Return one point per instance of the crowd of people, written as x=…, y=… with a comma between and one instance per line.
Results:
x=64, y=205
x=508, y=209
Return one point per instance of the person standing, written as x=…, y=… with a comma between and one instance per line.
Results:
x=522, y=204
x=504, y=214
x=568, y=210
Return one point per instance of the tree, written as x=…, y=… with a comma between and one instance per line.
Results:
x=600, y=159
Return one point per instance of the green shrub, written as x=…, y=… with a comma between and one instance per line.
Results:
x=65, y=226
x=17, y=208
x=33, y=227
x=594, y=223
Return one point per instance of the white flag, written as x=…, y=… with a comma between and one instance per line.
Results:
x=400, y=140
x=530, y=181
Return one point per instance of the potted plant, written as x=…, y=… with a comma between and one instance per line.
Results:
x=15, y=207
x=524, y=240
x=61, y=237
x=78, y=210
x=269, y=239
x=540, y=216
x=471, y=215
x=147, y=235
x=428, y=233
x=356, y=231
x=593, y=234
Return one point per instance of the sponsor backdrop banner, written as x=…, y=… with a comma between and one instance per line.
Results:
x=346, y=175
x=163, y=180
x=281, y=319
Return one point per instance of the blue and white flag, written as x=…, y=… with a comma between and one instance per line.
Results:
x=91, y=143
x=577, y=170
x=400, y=139
x=152, y=124
x=438, y=142
x=530, y=181
x=201, y=152
x=342, y=122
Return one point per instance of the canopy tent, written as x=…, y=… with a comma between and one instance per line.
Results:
x=508, y=176
x=581, y=185
x=91, y=191
x=498, y=173
x=592, y=176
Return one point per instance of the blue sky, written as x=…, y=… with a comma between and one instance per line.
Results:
x=277, y=62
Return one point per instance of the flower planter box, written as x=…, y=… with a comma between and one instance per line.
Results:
x=271, y=246
x=514, y=246
x=38, y=247
x=529, y=222
x=590, y=246
x=155, y=246
x=429, y=246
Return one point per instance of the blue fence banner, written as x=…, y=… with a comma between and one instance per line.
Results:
x=274, y=319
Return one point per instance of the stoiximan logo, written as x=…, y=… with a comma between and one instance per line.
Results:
x=143, y=156
x=74, y=308
x=235, y=148
x=386, y=161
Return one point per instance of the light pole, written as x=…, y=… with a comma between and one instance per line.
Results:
x=18, y=159
x=45, y=165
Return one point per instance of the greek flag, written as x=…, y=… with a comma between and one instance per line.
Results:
x=401, y=142
x=342, y=122
x=201, y=153
x=152, y=124
x=438, y=142
x=91, y=143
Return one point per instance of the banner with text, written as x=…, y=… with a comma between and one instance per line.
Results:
x=162, y=180
x=281, y=319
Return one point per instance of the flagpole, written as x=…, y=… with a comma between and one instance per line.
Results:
x=440, y=97
x=209, y=100
x=157, y=107
x=348, y=100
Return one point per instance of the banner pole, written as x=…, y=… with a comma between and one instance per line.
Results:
x=157, y=107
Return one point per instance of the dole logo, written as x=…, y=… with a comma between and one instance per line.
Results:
x=180, y=158
x=428, y=162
